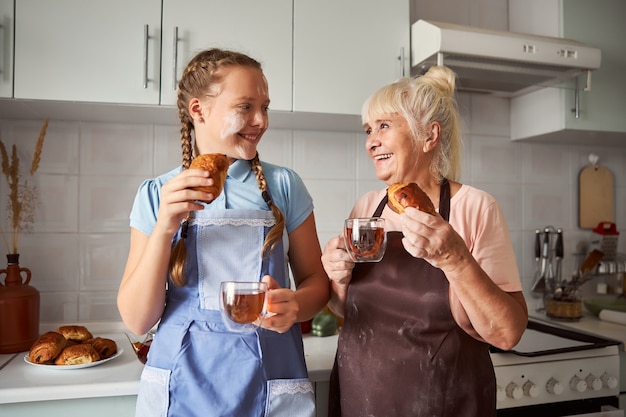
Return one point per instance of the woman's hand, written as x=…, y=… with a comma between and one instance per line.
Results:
x=178, y=198
x=282, y=307
x=337, y=262
x=434, y=240
x=338, y=266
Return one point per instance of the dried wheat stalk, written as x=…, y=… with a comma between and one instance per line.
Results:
x=22, y=196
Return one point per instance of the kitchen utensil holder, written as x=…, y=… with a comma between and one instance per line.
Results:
x=570, y=309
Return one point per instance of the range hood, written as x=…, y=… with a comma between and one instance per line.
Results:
x=501, y=63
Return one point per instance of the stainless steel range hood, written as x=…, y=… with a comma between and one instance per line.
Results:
x=502, y=63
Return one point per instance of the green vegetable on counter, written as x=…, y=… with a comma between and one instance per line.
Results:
x=324, y=324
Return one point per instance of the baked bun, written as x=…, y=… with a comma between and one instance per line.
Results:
x=105, y=347
x=77, y=355
x=217, y=165
x=46, y=348
x=408, y=194
x=75, y=333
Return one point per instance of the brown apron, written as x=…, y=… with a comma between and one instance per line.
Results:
x=400, y=351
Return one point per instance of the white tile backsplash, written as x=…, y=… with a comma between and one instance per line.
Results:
x=78, y=251
x=324, y=155
x=53, y=259
x=116, y=149
x=57, y=209
x=102, y=259
x=104, y=202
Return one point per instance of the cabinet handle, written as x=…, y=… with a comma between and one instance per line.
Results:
x=401, y=59
x=175, y=58
x=576, y=109
x=145, y=56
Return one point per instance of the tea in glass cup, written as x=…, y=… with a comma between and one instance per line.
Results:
x=365, y=238
x=242, y=305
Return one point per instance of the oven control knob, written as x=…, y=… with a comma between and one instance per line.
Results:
x=500, y=393
x=593, y=382
x=577, y=384
x=608, y=381
x=514, y=391
x=554, y=387
x=531, y=389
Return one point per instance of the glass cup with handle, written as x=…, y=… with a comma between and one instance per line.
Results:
x=243, y=305
x=365, y=238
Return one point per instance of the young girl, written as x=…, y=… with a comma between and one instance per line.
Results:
x=181, y=249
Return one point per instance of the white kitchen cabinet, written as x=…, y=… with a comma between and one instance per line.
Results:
x=262, y=30
x=345, y=50
x=548, y=114
x=6, y=48
x=88, y=50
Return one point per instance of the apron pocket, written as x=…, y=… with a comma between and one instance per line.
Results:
x=153, y=397
x=290, y=397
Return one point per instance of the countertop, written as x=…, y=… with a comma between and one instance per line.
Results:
x=587, y=324
x=22, y=382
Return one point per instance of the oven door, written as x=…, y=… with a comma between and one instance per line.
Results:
x=598, y=407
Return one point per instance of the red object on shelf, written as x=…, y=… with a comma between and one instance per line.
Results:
x=606, y=228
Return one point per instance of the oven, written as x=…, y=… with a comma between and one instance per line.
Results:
x=555, y=372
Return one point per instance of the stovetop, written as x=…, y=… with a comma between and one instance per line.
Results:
x=541, y=339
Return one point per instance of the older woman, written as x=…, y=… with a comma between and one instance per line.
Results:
x=418, y=324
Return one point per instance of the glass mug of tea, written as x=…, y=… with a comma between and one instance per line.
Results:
x=365, y=238
x=243, y=305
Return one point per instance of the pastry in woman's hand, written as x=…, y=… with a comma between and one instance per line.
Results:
x=217, y=165
x=77, y=355
x=47, y=347
x=408, y=194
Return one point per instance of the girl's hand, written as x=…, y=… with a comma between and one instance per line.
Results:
x=337, y=262
x=282, y=307
x=178, y=198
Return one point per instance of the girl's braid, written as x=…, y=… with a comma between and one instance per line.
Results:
x=276, y=232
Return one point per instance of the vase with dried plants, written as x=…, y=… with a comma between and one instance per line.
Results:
x=19, y=302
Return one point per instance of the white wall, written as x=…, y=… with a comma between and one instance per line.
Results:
x=90, y=171
x=89, y=174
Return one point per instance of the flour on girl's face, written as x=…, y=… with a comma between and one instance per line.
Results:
x=233, y=123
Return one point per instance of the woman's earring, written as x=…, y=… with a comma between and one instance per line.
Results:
x=200, y=120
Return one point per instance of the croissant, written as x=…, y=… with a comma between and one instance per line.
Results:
x=75, y=333
x=46, y=348
x=105, y=347
x=77, y=355
x=217, y=165
x=408, y=194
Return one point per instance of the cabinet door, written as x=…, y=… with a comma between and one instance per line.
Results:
x=260, y=29
x=344, y=50
x=88, y=50
x=6, y=48
x=600, y=110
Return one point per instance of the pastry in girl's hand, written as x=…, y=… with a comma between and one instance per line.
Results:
x=77, y=355
x=217, y=165
x=46, y=348
x=408, y=194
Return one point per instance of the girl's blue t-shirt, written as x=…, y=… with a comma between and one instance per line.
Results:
x=241, y=191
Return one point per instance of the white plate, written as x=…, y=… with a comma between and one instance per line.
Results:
x=70, y=367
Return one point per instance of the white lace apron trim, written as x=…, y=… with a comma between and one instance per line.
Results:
x=291, y=388
x=232, y=222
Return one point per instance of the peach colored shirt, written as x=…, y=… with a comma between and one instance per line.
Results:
x=478, y=219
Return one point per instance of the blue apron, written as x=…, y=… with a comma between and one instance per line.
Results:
x=196, y=367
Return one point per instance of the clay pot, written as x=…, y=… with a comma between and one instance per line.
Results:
x=19, y=308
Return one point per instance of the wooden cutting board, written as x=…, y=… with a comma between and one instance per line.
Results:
x=596, y=199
